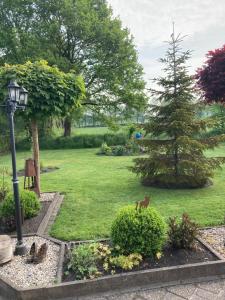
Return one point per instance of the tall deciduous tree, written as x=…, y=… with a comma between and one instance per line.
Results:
x=52, y=93
x=211, y=77
x=176, y=157
x=76, y=34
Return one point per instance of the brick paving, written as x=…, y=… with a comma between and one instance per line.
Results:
x=212, y=290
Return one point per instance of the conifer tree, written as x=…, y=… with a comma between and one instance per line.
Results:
x=176, y=156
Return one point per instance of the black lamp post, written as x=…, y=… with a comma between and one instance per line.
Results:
x=17, y=99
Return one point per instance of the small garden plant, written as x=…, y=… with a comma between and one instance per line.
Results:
x=131, y=148
x=89, y=261
x=182, y=234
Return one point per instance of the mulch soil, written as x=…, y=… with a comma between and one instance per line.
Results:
x=31, y=225
x=43, y=170
x=170, y=257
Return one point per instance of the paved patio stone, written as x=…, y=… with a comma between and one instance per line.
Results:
x=185, y=291
x=212, y=290
x=158, y=294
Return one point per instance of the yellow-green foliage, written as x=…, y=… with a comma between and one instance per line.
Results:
x=126, y=262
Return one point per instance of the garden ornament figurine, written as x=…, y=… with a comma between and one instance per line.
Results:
x=37, y=256
x=143, y=204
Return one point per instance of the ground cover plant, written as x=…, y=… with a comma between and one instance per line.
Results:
x=96, y=187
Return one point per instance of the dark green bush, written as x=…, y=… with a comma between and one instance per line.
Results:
x=138, y=231
x=182, y=234
x=119, y=150
x=29, y=202
x=75, y=142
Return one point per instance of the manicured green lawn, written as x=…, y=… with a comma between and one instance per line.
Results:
x=96, y=187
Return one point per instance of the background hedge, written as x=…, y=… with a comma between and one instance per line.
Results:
x=75, y=142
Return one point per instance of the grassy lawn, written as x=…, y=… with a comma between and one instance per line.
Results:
x=96, y=187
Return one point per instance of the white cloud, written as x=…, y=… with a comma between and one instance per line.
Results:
x=150, y=22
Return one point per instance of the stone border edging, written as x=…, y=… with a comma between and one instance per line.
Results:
x=123, y=281
x=50, y=215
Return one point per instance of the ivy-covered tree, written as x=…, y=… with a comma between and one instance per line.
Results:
x=211, y=77
x=176, y=155
x=81, y=35
x=52, y=93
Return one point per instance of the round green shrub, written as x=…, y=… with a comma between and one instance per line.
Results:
x=140, y=231
x=29, y=201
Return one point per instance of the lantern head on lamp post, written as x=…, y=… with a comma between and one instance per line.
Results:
x=14, y=91
x=23, y=97
x=17, y=99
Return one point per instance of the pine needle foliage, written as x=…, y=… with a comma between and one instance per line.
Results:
x=176, y=156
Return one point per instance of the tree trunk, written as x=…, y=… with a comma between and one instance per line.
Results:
x=36, y=154
x=67, y=127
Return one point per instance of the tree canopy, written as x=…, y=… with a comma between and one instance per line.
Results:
x=51, y=93
x=211, y=77
x=81, y=35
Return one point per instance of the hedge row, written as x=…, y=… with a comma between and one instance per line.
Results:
x=76, y=142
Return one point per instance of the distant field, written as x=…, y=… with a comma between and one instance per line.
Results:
x=89, y=130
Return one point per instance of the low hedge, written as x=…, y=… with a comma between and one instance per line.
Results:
x=29, y=201
x=75, y=142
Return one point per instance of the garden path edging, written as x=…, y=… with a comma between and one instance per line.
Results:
x=51, y=214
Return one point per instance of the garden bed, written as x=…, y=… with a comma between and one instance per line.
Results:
x=50, y=204
x=171, y=257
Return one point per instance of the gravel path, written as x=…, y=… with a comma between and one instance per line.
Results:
x=26, y=275
x=47, y=197
x=215, y=237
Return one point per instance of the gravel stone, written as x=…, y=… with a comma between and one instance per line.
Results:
x=25, y=275
x=215, y=236
x=47, y=197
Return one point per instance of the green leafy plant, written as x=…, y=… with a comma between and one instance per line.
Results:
x=83, y=262
x=138, y=231
x=29, y=203
x=119, y=150
x=126, y=262
x=105, y=150
x=182, y=234
x=132, y=148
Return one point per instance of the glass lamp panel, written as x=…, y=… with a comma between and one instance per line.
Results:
x=23, y=96
x=14, y=91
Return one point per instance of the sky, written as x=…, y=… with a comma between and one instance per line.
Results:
x=202, y=22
